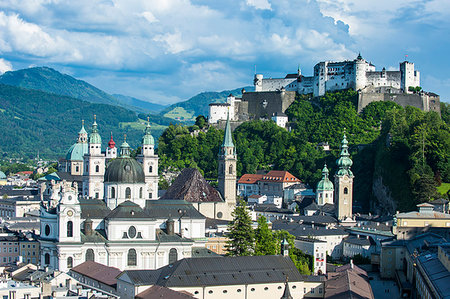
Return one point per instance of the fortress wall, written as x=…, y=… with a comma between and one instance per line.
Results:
x=275, y=101
x=424, y=102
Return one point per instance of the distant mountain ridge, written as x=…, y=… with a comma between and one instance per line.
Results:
x=139, y=104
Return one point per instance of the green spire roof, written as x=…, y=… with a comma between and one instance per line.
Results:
x=325, y=184
x=95, y=136
x=82, y=131
x=125, y=148
x=228, y=140
x=148, y=138
x=344, y=162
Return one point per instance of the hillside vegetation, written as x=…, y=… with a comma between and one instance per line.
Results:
x=405, y=147
x=35, y=121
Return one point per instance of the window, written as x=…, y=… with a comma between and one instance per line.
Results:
x=345, y=190
x=173, y=256
x=113, y=192
x=252, y=289
x=47, y=230
x=69, y=229
x=150, y=169
x=128, y=192
x=77, y=168
x=69, y=262
x=132, y=257
x=312, y=290
x=97, y=168
x=140, y=192
x=90, y=255
x=47, y=258
x=132, y=232
x=231, y=169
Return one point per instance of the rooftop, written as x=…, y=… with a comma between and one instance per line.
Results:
x=250, y=178
x=438, y=275
x=99, y=272
x=280, y=176
x=348, y=282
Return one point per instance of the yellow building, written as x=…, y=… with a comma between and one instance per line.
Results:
x=217, y=244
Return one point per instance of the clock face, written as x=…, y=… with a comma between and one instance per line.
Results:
x=70, y=213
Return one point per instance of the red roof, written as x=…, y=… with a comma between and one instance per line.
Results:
x=25, y=172
x=280, y=176
x=111, y=143
x=156, y=292
x=99, y=272
x=250, y=178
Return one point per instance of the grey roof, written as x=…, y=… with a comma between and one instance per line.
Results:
x=19, y=192
x=124, y=170
x=316, y=219
x=271, y=208
x=437, y=273
x=163, y=237
x=93, y=208
x=309, y=240
x=215, y=271
x=302, y=230
x=348, y=282
x=202, y=252
x=439, y=201
x=191, y=186
x=359, y=241
x=213, y=223
x=128, y=210
x=423, y=241
x=69, y=177
x=312, y=207
x=299, y=186
x=162, y=209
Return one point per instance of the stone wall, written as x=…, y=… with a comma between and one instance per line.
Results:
x=265, y=104
x=423, y=101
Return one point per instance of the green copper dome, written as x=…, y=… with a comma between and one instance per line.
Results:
x=124, y=170
x=148, y=138
x=325, y=184
x=95, y=136
x=2, y=175
x=77, y=151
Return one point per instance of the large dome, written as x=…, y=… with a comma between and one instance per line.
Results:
x=77, y=151
x=124, y=170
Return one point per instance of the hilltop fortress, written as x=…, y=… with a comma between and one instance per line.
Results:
x=274, y=95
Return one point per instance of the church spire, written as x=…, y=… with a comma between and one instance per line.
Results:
x=111, y=143
x=95, y=136
x=125, y=148
x=344, y=162
x=148, y=138
x=287, y=292
x=228, y=140
x=82, y=135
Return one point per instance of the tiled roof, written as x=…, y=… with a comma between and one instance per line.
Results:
x=214, y=271
x=128, y=210
x=157, y=292
x=93, y=208
x=249, y=178
x=191, y=186
x=279, y=176
x=348, y=282
x=99, y=272
x=162, y=209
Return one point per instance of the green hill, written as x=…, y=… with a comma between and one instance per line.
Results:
x=137, y=104
x=199, y=104
x=33, y=121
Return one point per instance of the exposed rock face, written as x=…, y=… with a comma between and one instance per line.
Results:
x=191, y=186
x=386, y=203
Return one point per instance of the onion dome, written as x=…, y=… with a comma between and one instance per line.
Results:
x=325, y=184
x=111, y=143
x=148, y=138
x=344, y=162
x=95, y=136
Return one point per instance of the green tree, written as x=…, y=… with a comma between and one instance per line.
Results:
x=265, y=243
x=241, y=237
x=200, y=121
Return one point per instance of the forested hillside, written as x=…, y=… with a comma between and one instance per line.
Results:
x=35, y=121
x=387, y=152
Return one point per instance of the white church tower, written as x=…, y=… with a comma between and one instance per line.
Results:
x=149, y=162
x=227, y=167
x=325, y=189
x=94, y=166
x=343, y=180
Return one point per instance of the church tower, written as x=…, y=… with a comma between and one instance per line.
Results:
x=227, y=167
x=325, y=189
x=343, y=180
x=94, y=165
x=111, y=150
x=149, y=162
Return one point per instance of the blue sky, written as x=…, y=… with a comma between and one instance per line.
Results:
x=169, y=50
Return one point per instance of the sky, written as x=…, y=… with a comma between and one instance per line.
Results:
x=166, y=51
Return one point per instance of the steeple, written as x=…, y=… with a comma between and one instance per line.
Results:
x=324, y=190
x=287, y=292
x=95, y=136
x=343, y=181
x=111, y=150
x=227, y=140
x=82, y=135
x=148, y=138
x=344, y=162
x=125, y=148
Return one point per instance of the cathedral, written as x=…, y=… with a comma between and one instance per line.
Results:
x=114, y=217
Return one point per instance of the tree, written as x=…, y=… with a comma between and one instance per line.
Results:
x=200, y=121
x=241, y=238
x=265, y=243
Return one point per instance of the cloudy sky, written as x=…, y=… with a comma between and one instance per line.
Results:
x=169, y=50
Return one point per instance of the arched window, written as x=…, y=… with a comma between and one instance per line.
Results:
x=173, y=256
x=231, y=169
x=140, y=192
x=97, y=168
x=345, y=190
x=47, y=230
x=69, y=229
x=77, y=168
x=150, y=169
x=128, y=192
x=47, y=258
x=113, y=192
x=69, y=262
x=90, y=255
x=132, y=257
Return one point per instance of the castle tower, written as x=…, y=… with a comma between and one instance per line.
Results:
x=231, y=100
x=360, y=68
x=94, y=165
x=258, y=82
x=325, y=189
x=409, y=77
x=111, y=150
x=343, y=180
x=149, y=162
x=227, y=167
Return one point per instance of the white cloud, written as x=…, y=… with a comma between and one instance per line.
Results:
x=259, y=4
x=149, y=17
x=5, y=66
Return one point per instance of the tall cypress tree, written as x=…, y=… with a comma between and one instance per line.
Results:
x=241, y=237
x=265, y=242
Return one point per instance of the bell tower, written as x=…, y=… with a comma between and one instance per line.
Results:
x=227, y=167
x=149, y=162
x=343, y=180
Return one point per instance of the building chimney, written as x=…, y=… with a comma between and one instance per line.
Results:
x=170, y=226
x=351, y=263
x=88, y=231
